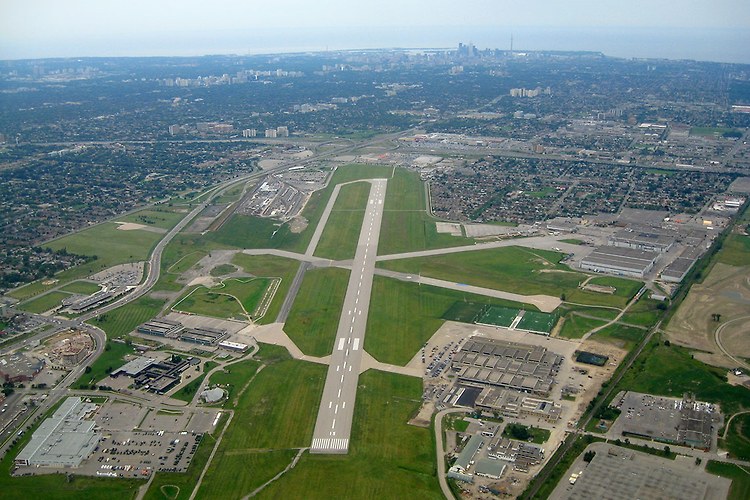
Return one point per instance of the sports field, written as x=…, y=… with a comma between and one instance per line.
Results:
x=537, y=322
x=498, y=316
x=465, y=312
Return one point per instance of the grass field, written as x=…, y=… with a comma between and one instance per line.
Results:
x=576, y=326
x=710, y=131
x=499, y=316
x=125, y=319
x=234, y=377
x=512, y=269
x=406, y=224
x=404, y=315
x=270, y=266
x=341, y=234
x=740, y=489
x=82, y=287
x=735, y=251
x=537, y=322
x=737, y=441
x=277, y=412
x=44, y=302
x=625, y=288
x=620, y=335
x=111, y=359
x=536, y=434
x=672, y=371
x=187, y=391
x=387, y=457
x=222, y=270
x=465, y=312
x=162, y=218
x=210, y=302
x=645, y=312
x=56, y=486
x=314, y=318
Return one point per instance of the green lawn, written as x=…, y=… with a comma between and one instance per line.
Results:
x=672, y=371
x=341, y=234
x=44, y=302
x=159, y=217
x=187, y=391
x=512, y=269
x=125, y=319
x=645, y=312
x=277, y=412
x=223, y=270
x=315, y=314
x=735, y=251
x=270, y=266
x=465, y=312
x=404, y=315
x=211, y=302
x=576, y=326
x=387, y=457
x=519, y=431
x=623, y=287
x=621, y=335
x=737, y=441
x=82, y=287
x=740, y=489
x=234, y=377
x=111, y=359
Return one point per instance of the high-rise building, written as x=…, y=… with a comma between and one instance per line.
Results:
x=282, y=132
x=270, y=133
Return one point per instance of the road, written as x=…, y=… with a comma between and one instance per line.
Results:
x=441, y=451
x=334, y=423
x=717, y=338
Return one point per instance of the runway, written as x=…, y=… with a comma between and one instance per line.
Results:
x=334, y=423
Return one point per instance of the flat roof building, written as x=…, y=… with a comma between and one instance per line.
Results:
x=643, y=238
x=19, y=367
x=160, y=327
x=620, y=260
x=63, y=440
x=521, y=367
x=466, y=457
x=134, y=367
x=203, y=335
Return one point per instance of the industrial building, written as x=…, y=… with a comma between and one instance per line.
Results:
x=521, y=367
x=466, y=457
x=19, y=368
x=160, y=327
x=63, y=440
x=203, y=335
x=645, y=238
x=521, y=455
x=513, y=404
x=620, y=260
x=154, y=375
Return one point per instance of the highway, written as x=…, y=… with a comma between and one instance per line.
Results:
x=334, y=423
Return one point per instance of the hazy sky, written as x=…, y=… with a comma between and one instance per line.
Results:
x=48, y=28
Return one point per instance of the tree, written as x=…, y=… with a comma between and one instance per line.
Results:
x=589, y=456
x=88, y=369
x=666, y=451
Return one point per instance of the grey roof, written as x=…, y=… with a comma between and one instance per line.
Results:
x=135, y=366
x=64, y=439
x=212, y=395
x=468, y=452
x=489, y=467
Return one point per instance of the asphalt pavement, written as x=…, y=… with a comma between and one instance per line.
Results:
x=334, y=423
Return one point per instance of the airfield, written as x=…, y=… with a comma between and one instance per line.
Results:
x=350, y=313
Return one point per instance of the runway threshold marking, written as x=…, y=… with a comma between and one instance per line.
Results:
x=341, y=343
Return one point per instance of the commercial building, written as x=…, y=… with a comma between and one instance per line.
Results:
x=620, y=260
x=521, y=367
x=19, y=367
x=233, y=346
x=63, y=440
x=489, y=468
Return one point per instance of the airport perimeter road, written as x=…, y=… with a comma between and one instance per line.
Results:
x=334, y=424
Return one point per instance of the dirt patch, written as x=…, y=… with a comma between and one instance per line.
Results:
x=298, y=224
x=725, y=292
x=132, y=226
